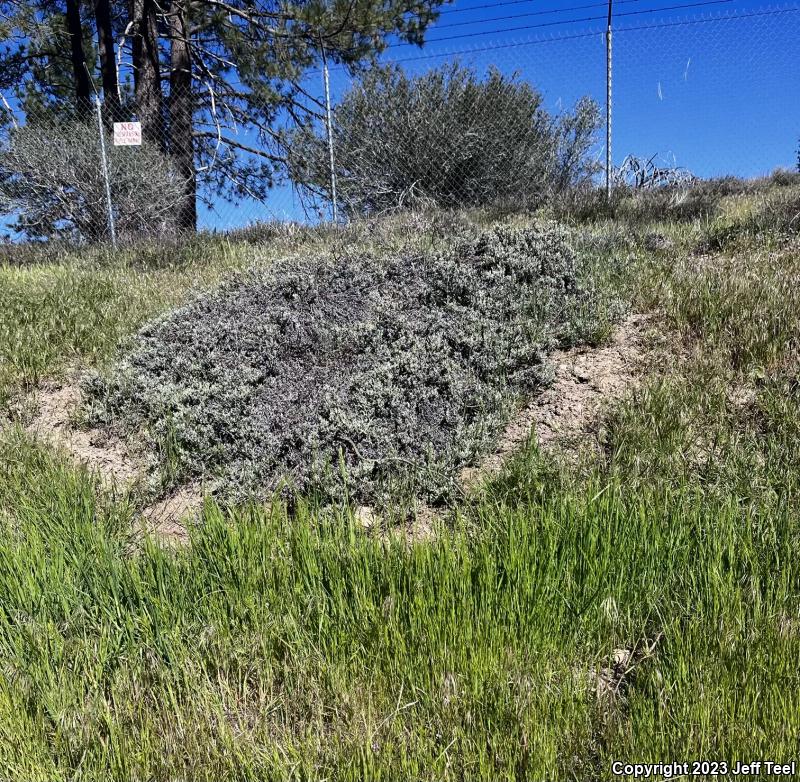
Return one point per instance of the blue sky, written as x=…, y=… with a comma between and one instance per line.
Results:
x=717, y=97
x=713, y=88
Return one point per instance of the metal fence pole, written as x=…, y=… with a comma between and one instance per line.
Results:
x=104, y=160
x=329, y=120
x=608, y=102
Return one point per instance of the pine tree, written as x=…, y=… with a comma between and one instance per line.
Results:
x=216, y=82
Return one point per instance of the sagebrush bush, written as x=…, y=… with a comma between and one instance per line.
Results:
x=51, y=181
x=350, y=374
x=446, y=138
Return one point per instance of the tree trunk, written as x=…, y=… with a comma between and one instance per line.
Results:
x=108, y=65
x=181, y=110
x=147, y=72
x=83, y=88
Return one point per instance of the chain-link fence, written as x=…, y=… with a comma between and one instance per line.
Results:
x=67, y=174
x=507, y=125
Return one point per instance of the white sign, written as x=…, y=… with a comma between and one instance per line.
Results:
x=127, y=134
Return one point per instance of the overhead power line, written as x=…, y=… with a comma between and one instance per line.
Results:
x=481, y=7
x=533, y=13
x=484, y=33
x=592, y=34
x=518, y=44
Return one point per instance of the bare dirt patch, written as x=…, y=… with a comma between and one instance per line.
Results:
x=167, y=519
x=420, y=525
x=54, y=406
x=51, y=419
x=587, y=379
x=569, y=411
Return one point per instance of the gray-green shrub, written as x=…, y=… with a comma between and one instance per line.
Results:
x=52, y=185
x=344, y=375
x=449, y=138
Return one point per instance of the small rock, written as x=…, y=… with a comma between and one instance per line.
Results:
x=621, y=659
x=366, y=516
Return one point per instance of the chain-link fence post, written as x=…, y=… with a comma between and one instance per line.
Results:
x=329, y=123
x=608, y=102
x=104, y=161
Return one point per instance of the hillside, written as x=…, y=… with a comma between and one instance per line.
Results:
x=615, y=576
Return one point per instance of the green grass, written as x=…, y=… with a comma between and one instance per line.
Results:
x=294, y=646
x=274, y=645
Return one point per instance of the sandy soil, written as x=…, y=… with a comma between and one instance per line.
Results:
x=53, y=409
x=54, y=405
